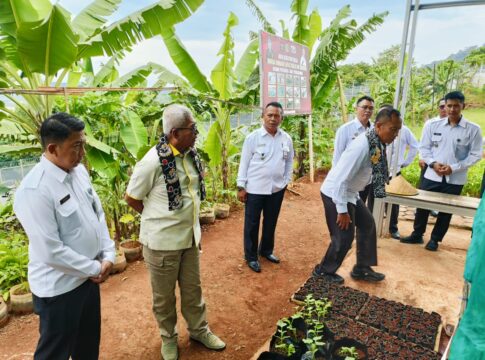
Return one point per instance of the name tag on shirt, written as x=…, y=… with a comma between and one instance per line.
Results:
x=65, y=198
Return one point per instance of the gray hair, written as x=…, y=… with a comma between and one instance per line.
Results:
x=175, y=116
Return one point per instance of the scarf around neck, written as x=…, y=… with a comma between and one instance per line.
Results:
x=378, y=159
x=169, y=170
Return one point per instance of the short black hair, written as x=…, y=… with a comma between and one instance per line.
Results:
x=386, y=114
x=362, y=98
x=274, y=104
x=455, y=95
x=58, y=127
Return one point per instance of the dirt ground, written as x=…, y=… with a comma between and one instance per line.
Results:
x=243, y=307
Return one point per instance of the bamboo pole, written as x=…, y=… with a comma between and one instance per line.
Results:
x=310, y=147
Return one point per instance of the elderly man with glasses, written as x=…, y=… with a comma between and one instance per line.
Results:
x=166, y=188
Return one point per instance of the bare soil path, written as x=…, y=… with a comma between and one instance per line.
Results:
x=243, y=307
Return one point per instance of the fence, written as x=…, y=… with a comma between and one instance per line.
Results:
x=11, y=176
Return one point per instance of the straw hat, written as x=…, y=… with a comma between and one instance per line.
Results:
x=399, y=186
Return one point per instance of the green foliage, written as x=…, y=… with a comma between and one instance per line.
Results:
x=14, y=258
x=350, y=353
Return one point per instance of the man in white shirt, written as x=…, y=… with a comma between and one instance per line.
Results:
x=265, y=170
x=345, y=212
x=364, y=108
x=70, y=249
x=407, y=141
x=422, y=163
x=449, y=146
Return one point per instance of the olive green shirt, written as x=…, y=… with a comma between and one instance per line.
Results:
x=161, y=229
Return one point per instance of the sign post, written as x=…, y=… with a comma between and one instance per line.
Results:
x=285, y=78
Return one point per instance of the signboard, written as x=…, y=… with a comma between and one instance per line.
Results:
x=285, y=73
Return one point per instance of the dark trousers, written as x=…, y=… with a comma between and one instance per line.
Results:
x=394, y=214
x=341, y=240
x=270, y=206
x=367, y=196
x=443, y=219
x=70, y=324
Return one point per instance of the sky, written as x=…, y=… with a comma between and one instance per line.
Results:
x=440, y=32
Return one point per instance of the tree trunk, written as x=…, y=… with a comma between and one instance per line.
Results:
x=343, y=101
x=302, y=152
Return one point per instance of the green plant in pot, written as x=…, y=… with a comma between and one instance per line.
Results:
x=131, y=247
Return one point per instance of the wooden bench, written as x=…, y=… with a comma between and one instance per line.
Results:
x=451, y=204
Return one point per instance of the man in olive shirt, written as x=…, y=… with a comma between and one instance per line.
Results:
x=166, y=189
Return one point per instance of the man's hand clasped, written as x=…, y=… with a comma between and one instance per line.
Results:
x=104, y=273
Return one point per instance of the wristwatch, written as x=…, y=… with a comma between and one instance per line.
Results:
x=431, y=165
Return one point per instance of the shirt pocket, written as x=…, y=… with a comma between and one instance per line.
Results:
x=436, y=139
x=68, y=219
x=260, y=154
x=462, y=149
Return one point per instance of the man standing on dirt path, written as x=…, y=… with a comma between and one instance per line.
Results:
x=70, y=249
x=422, y=163
x=363, y=159
x=364, y=108
x=166, y=188
x=449, y=146
x=265, y=170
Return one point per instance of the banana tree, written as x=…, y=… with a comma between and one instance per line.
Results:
x=121, y=130
x=42, y=45
x=334, y=45
x=229, y=85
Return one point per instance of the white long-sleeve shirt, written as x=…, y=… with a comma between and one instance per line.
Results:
x=266, y=163
x=407, y=139
x=65, y=223
x=458, y=146
x=350, y=175
x=344, y=135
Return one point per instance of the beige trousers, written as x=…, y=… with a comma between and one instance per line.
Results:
x=166, y=268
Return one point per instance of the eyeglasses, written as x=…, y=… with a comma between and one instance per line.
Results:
x=191, y=128
x=370, y=108
x=442, y=107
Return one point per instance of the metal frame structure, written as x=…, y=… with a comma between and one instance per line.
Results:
x=404, y=73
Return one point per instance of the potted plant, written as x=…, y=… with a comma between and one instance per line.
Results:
x=21, y=301
x=207, y=214
x=120, y=262
x=221, y=210
x=14, y=258
x=349, y=349
x=131, y=247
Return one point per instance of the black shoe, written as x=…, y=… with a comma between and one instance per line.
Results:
x=366, y=273
x=396, y=235
x=254, y=265
x=411, y=239
x=272, y=258
x=333, y=278
x=432, y=245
